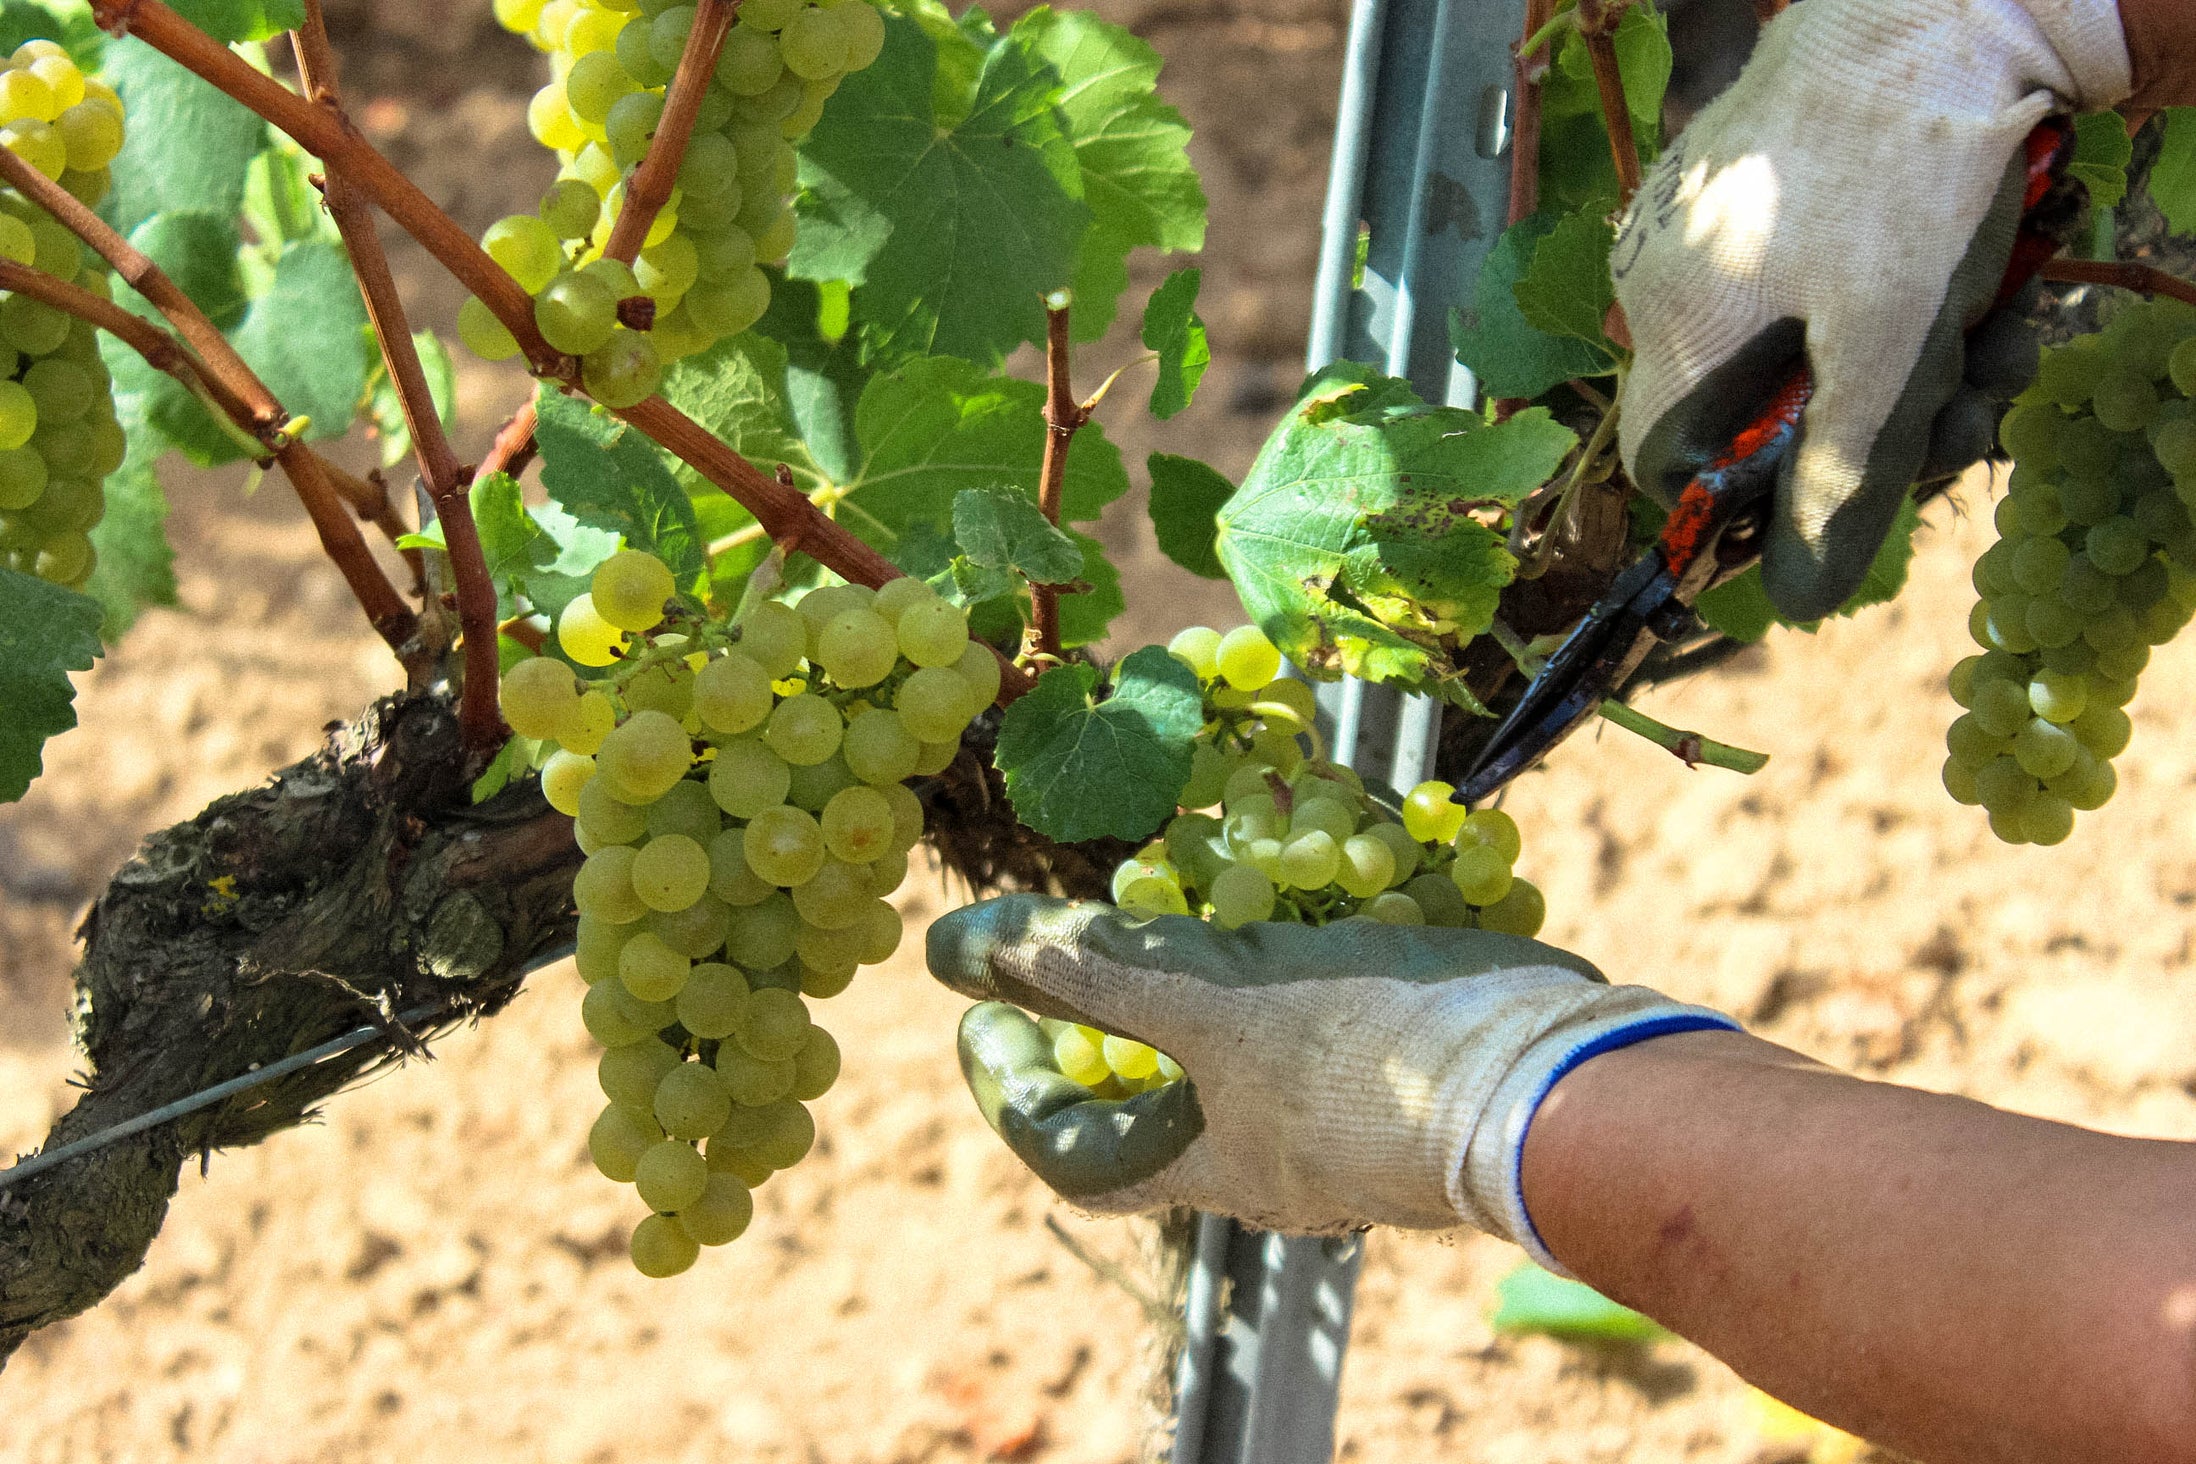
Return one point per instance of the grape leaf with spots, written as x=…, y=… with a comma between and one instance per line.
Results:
x=1357, y=542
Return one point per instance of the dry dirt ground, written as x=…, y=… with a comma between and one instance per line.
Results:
x=435, y=1273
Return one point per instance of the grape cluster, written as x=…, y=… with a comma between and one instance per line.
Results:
x=740, y=793
x=58, y=435
x=730, y=210
x=1293, y=837
x=2095, y=564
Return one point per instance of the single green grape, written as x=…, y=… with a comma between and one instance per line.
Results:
x=644, y=756
x=721, y=1215
x=804, y=729
x=617, y=1140
x=576, y=313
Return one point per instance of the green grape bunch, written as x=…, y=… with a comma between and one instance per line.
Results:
x=2095, y=564
x=731, y=207
x=1271, y=831
x=740, y=792
x=59, y=438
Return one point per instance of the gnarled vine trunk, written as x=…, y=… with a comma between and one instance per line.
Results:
x=355, y=885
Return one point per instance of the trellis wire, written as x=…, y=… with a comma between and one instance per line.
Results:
x=243, y=1083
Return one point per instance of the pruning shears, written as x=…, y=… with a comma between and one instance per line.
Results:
x=1713, y=534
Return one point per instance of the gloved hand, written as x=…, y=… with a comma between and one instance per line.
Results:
x=1854, y=195
x=1338, y=1077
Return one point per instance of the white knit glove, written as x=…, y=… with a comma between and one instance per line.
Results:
x=1855, y=193
x=1354, y=1075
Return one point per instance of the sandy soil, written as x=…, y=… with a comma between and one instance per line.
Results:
x=435, y=1272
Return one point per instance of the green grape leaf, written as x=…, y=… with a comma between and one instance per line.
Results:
x=510, y=541
x=386, y=411
x=511, y=762
x=745, y=390
x=938, y=425
x=974, y=584
x=608, y=476
x=1740, y=608
x=1173, y=329
x=243, y=20
x=1353, y=541
x=952, y=234
x=45, y=633
x=1131, y=146
x=737, y=389
x=998, y=528
x=1533, y=1300
x=1566, y=291
x=69, y=23
x=1510, y=355
x=199, y=252
x=1186, y=496
x=2173, y=175
x=1078, y=767
x=1085, y=614
x=2102, y=151
x=318, y=372
x=1575, y=163
x=824, y=372
x=190, y=146
x=136, y=567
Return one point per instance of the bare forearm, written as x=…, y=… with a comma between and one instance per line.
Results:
x=2161, y=43
x=1936, y=1275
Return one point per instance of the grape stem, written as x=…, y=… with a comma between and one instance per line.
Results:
x=480, y=722
x=1064, y=416
x=331, y=138
x=1597, y=23
x=223, y=378
x=2145, y=279
x=1532, y=66
x=649, y=189
x=1690, y=748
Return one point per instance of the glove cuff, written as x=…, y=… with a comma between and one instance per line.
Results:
x=1488, y=1187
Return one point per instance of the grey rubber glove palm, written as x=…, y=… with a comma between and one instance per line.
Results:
x=1850, y=201
x=1339, y=1077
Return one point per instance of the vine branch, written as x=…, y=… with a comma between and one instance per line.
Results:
x=1597, y=23
x=1690, y=748
x=237, y=390
x=1064, y=416
x=1531, y=68
x=479, y=719
x=336, y=142
x=649, y=189
x=2146, y=279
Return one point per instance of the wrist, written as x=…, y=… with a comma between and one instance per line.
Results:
x=1491, y=1180
x=2161, y=48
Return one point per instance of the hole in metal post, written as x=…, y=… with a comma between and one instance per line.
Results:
x=1494, y=121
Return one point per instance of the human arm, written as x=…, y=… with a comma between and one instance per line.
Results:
x=2161, y=48
x=1919, y=1268
x=1957, y=1282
